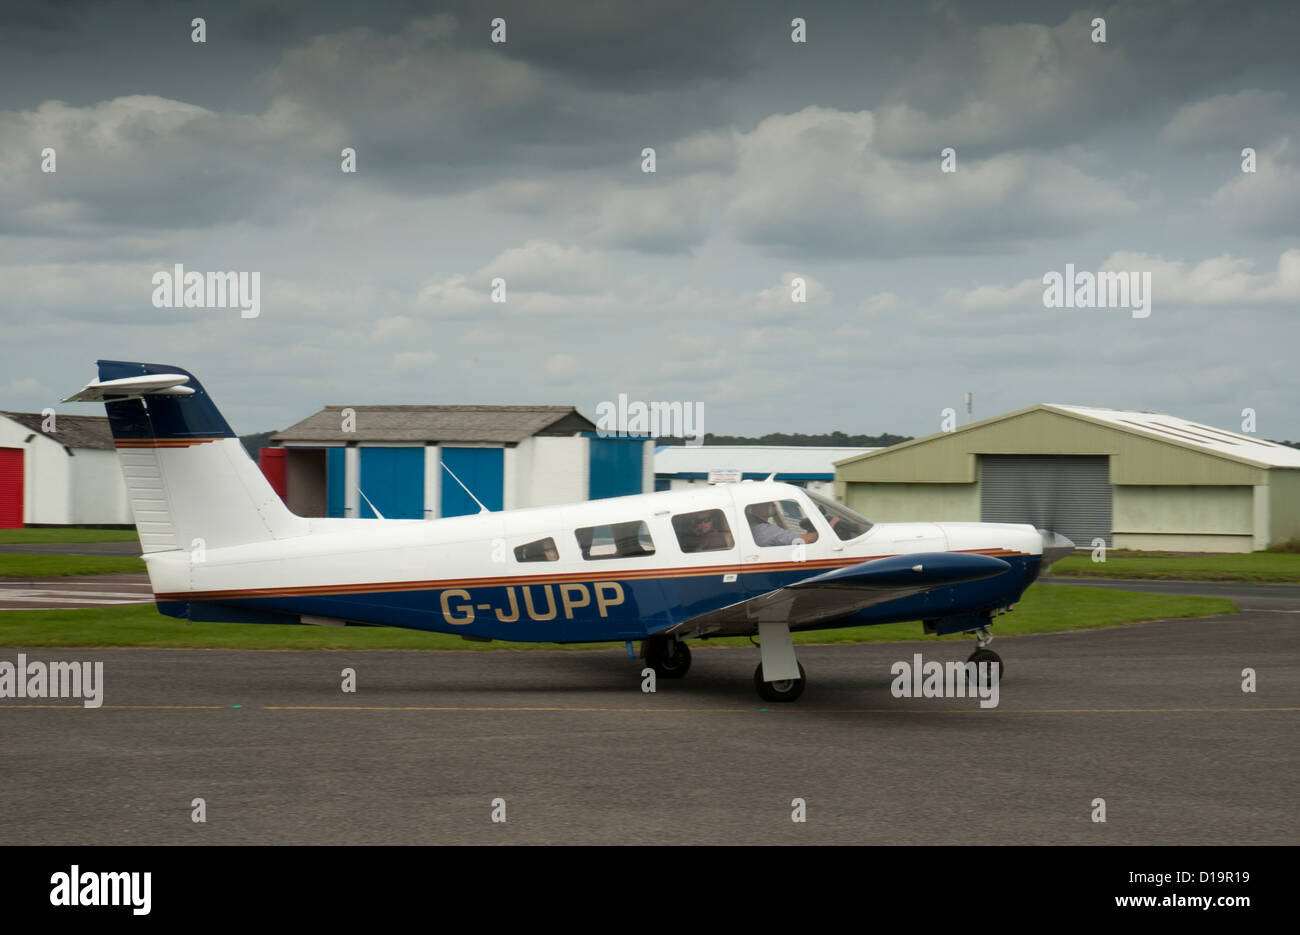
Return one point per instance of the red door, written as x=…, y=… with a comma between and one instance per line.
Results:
x=11, y=488
x=272, y=463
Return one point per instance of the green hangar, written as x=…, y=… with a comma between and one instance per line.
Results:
x=1135, y=480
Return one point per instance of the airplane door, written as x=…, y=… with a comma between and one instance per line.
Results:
x=757, y=565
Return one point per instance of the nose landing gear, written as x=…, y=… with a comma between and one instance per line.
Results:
x=984, y=636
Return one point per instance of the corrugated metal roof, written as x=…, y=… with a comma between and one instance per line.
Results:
x=510, y=424
x=1193, y=434
x=752, y=459
x=69, y=431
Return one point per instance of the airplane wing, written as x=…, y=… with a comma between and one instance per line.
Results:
x=821, y=598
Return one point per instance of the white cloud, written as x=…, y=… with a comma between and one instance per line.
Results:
x=815, y=182
x=1220, y=280
x=1246, y=118
x=777, y=301
x=1267, y=200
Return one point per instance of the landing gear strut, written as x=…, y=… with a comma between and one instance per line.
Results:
x=670, y=658
x=776, y=678
x=984, y=636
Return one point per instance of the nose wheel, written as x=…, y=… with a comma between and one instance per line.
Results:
x=984, y=636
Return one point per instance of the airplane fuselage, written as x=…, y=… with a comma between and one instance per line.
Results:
x=616, y=569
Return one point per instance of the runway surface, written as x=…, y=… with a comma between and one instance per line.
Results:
x=73, y=591
x=1150, y=717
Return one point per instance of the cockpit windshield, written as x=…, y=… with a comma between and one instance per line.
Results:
x=845, y=522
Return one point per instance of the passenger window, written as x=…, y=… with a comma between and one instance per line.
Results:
x=543, y=550
x=703, y=531
x=779, y=522
x=615, y=540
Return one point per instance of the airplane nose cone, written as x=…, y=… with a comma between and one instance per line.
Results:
x=1055, y=546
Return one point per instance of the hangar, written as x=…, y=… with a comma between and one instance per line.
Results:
x=400, y=460
x=59, y=470
x=1135, y=480
x=678, y=467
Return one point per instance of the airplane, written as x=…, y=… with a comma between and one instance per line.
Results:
x=754, y=558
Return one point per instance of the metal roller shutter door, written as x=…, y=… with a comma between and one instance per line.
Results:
x=1069, y=494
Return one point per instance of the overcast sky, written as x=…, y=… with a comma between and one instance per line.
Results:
x=774, y=159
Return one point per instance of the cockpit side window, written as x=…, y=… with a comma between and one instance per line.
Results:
x=703, y=531
x=779, y=522
x=615, y=540
x=543, y=550
x=847, y=524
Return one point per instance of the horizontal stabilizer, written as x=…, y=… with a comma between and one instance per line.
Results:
x=153, y=384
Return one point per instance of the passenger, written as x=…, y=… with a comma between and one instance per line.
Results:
x=768, y=533
x=710, y=537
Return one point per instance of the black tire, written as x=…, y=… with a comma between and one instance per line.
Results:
x=987, y=655
x=784, y=690
x=665, y=665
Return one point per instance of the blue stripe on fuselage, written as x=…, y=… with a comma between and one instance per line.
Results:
x=594, y=611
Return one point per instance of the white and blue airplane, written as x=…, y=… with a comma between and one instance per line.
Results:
x=747, y=559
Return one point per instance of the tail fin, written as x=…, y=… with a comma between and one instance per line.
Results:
x=187, y=475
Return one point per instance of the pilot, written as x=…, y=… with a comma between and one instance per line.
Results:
x=768, y=533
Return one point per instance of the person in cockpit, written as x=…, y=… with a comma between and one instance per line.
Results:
x=768, y=533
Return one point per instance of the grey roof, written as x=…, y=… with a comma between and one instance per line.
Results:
x=507, y=424
x=69, y=431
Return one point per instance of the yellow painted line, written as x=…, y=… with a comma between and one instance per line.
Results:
x=516, y=709
x=778, y=707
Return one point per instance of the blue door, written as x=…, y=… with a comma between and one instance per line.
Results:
x=482, y=470
x=335, y=475
x=393, y=480
x=615, y=467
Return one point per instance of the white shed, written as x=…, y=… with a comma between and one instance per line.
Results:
x=59, y=470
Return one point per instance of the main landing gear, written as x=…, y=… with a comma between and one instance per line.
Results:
x=670, y=658
x=984, y=636
x=779, y=677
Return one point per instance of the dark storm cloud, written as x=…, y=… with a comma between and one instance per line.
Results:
x=1045, y=83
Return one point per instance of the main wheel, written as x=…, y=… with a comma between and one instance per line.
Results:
x=989, y=656
x=782, y=690
x=671, y=659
